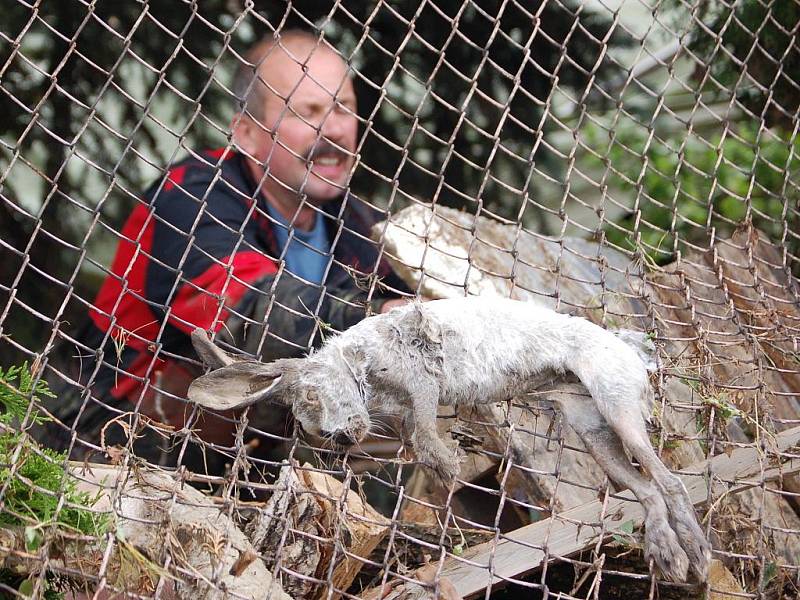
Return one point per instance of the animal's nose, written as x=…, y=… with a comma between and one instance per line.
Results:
x=343, y=438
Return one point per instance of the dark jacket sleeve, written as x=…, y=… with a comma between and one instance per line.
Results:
x=286, y=317
x=207, y=253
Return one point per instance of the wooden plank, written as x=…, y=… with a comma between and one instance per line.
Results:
x=569, y=532
x=724, y=585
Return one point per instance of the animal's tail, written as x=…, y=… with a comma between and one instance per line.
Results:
x=642, y=344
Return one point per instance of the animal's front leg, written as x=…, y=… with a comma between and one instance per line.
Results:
x=428, y=446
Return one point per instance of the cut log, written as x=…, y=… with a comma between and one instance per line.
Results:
x=166, y=533
x=722, y=583
x=446, y=253
x=361, y=528
x=287, y=532
x=315, y=534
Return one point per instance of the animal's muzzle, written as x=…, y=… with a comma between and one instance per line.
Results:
x=343, y=439
x=350, y=434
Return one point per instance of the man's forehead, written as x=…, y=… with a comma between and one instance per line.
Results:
x=306, y=66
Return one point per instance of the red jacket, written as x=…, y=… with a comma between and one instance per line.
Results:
x=199, y=246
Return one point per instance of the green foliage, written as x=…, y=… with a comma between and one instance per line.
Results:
x=17, y=387
x=25, y=585
x=679, y=189
x=770, y=572
x=34, y=478
x=750, y=46
x=723, y=407
x=624, y=535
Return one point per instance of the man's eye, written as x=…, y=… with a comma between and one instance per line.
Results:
x=303, y=113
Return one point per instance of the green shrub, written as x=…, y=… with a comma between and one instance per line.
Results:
x=32, y=479
x=677, y=189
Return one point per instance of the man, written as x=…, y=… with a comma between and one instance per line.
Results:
x=260, y=243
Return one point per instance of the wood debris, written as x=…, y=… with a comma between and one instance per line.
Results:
x=314, y=531
x=163, y=533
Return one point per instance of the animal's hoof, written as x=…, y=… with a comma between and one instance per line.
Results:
x=661, y=544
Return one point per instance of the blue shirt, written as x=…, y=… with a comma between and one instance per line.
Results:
x=305, y=262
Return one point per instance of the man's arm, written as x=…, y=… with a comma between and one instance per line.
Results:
x=285, y=316
x=211, y=267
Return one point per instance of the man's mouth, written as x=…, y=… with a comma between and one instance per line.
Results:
x=328, y=158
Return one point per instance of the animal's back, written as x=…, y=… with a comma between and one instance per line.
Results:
x=491, y=345
x=497, y=326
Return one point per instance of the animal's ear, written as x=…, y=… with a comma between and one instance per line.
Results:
x=357, y=362
x=212, y=355
x=237, y=385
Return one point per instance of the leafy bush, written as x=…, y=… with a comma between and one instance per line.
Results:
x=33, y=478
x=751, y=47
x=678, y=190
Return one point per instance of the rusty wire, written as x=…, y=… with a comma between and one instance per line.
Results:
x=641, y=172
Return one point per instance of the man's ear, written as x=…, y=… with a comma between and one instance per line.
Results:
x=212, y=355
x=237, y=385
x=247, y=133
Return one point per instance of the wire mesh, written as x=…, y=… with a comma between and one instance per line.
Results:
x=275, y=172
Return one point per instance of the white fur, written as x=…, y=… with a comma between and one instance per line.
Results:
x=476, y=350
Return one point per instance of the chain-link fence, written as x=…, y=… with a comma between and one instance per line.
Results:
x=275, y=172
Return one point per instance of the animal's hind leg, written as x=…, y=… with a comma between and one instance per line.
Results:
x=605, y=446
x=631, y=431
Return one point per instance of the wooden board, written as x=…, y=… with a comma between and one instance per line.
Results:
x=564, y=534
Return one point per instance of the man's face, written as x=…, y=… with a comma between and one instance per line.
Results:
x=308, y=128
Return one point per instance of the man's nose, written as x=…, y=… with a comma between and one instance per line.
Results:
x=336, y=126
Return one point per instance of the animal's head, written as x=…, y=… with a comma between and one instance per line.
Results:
x=327, y=392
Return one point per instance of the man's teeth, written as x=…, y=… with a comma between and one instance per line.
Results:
x=327, y=161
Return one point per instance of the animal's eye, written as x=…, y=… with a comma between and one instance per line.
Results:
x=312, y=396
